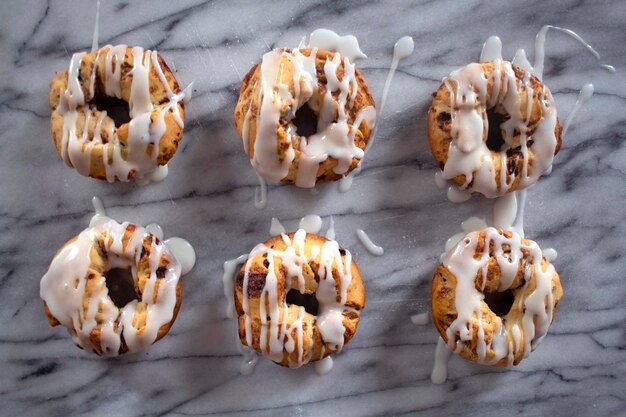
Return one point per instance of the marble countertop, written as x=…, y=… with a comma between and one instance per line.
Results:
x=580, y=367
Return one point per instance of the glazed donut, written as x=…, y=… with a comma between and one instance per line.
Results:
x=287, y=333
x=75, y=294
x=488, y=261
x=272, y=93
x=458, y=128
x=87, y=138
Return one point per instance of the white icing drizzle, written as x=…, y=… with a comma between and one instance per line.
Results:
x=421, y=319
x=260, y=194
x=402, y=49
x=369, y=245
x=64, y=289
x=335, y=129
x=94, y=42
x=347, y=46
x=330, y=233
x=276, y=228
x=439, y=373
x=183, y=252
x=100, y=216
x=508, y=212
x=324, y=366
x=536, y=310
x=585, y=94
x=155, y=229
x=470, y=224
x=248, y=361
x=550, y=254
x=145, y=128
x=346, y=181
x=331, y=295
x=228, y=279
x=312, y=223
x=492, y=49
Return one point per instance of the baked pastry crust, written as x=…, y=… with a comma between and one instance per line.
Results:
x=493, y=86
x=288, y=143
x=87, y=138
x=501, y=261
x=301, y=337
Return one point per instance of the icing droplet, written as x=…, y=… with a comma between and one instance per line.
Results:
x=330, y=233
x=184, y=253
x=439, y=373
x=312, y=223
x=100, y=216
x=585, y=94
x=228, y=279
x=347, y=46
x=550, y=254
x=324, y=366
x=276, y=228
x=156, y=230
x=369, y=245
x=260, y=194
x=492, y=49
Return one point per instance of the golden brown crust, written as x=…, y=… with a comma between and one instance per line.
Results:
x=312, y=338
x=249, y=100
x=159, y=98
x=439, y=124
x=443, y=304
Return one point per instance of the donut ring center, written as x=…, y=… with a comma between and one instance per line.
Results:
x=500, y=303
x=116, y=108
x=495, y=140
x=121, y=286
x=306, y=300
x=305, y=121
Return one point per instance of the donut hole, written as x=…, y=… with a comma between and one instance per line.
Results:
x=121, y=286
x=499, y=302
x=495, y=141
x=308, y=301
x=117, y=109
x=305, y=121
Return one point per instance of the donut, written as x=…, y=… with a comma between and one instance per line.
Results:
x=75, y=294
x=311, y=265
x=489, y=261
x=458, y=128
x=271, y=95
x=87, y=139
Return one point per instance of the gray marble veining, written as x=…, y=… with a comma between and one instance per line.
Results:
x=580, y=367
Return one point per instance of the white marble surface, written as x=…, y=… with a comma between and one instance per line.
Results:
x=579, y=369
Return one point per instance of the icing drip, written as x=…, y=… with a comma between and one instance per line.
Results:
x=331, y=296
x=347, y=46
x=324, y=366
x=100, y=216
x=402, y=49
x=492, y=49
x=336, y=130
x=369, y=245
x=65, y=287
x=276, y=228
x=260, y=194
x=94, y=42
x=585, y=94
x=509, y=254
x=228, y=279
x=312, y=223
x=439, y=373
x=183, y=252
x=421, y=319
x=508, y=212
x=550, y=254
x=330, y=233
x=248, y=361
x=145, y=129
